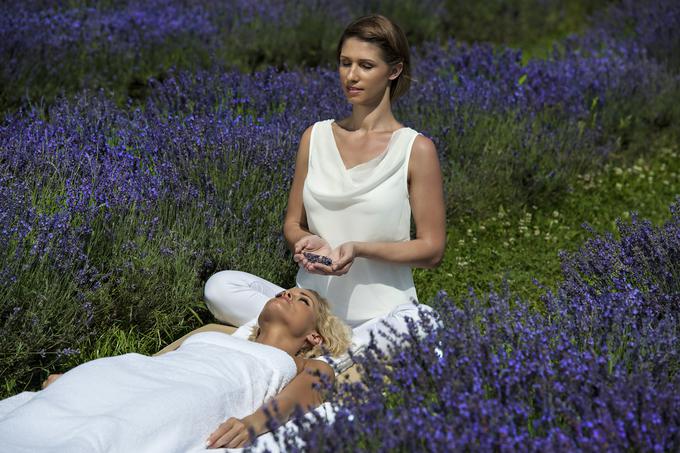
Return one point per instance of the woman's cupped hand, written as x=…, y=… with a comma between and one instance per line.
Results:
x=311, y=244
x=342, y=256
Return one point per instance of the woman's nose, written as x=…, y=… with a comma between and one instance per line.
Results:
x=351, y=75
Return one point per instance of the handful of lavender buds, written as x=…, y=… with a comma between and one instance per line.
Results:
x=314, y=258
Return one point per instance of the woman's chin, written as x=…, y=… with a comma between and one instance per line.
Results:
x=362, y=101
x=275, y=306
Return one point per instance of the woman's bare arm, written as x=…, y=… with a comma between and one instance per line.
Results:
x=295, y=222
x=295, y=228
x=305, y=391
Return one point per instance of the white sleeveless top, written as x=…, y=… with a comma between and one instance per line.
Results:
x=367, y=203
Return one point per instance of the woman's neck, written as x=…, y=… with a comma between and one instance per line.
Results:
x=372, y=117
x=280, y=337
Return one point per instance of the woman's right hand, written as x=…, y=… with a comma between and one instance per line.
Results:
x=233, y=433
x=312, y=244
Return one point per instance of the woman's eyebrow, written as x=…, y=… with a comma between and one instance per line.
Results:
x=308, y=297
x=361, y=60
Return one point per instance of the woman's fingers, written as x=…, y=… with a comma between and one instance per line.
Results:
x=300, y=259
x=310, y=242
x=227, y=438
x=343, y=257
x=239, y=441
x=300, y=245
x=231, y=434
x=318, y=268
x=341, y=262
x=223, y=434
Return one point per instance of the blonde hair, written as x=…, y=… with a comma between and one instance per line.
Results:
x=336, y=335
x=390, y=39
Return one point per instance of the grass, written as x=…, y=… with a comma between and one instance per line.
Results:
x=522, y=245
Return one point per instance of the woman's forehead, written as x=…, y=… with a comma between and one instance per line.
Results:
x=356, y=48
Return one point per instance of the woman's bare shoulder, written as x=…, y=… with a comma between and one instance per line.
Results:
x=307, y=133
x=314, y=366
x=319, y=365
x=423, y=147
x=305, y=140
x=424, y=159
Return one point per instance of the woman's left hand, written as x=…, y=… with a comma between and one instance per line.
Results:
x=343, y=257
x=233, y=433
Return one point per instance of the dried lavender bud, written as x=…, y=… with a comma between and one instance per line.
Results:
x=314, y=258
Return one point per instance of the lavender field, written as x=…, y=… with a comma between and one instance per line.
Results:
x=146, y=145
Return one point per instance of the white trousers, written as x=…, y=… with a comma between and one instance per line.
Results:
x=237, y=298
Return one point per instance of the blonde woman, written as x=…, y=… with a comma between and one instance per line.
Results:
x=209, y=392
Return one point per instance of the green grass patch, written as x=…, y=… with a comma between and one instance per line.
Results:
x=522, y=244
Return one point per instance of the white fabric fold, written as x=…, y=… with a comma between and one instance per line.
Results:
x=168, y=403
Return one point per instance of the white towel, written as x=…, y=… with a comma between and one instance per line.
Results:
x=168, y=403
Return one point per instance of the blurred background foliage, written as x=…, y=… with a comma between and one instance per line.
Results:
x=116, y=45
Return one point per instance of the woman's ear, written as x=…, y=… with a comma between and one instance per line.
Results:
x=396, y=70
x=314, y=339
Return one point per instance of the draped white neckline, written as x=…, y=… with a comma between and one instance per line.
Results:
x=339, y=154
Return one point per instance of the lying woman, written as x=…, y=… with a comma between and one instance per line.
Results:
x=208, y=393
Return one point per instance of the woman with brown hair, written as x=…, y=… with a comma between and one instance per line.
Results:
x=358, y=182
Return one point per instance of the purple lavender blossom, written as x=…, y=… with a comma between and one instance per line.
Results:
x=314, y=258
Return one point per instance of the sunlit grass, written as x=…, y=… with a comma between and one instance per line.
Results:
x=523, y=245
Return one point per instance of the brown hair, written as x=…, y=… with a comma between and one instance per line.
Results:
x=336, y=334
x=391, y=41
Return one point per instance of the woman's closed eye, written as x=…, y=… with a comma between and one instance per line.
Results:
x=364, y=66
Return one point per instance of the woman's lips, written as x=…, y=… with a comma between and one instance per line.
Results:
x=354, y=90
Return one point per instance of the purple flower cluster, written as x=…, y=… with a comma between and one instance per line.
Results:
x=459, y=75
x=654, y=25
x=314, y=258
x=594, y=369
x=134, y=25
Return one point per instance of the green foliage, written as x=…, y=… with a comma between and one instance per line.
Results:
x=522, y=244
x=516, y=158
x=528, y=24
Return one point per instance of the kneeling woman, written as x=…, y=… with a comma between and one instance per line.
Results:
x=210, y=391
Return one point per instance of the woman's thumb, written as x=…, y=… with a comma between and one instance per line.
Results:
x=300, y=245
